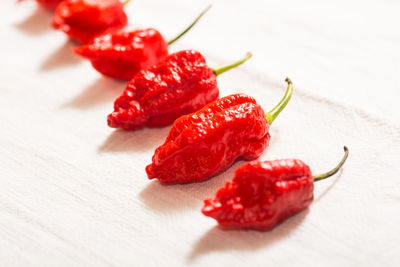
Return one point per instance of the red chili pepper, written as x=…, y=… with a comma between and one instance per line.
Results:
x=121, y=55
x=50, y=4
x=179, y=84
x=263, y=194
x=83, y=20
x=207, y=142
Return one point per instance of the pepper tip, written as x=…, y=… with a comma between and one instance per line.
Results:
x=149, y=171
x=111, y=121
x=80, y=50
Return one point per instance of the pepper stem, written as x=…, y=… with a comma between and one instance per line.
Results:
x=334, y=170
x=190, y=26
x=273, y=113
x=233, y=65
x=126, y=2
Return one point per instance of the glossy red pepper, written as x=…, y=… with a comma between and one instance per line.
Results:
x=121, y=55
x=263, y=194
x=207, y=142
x=180, y=84
x=83, y=20
x=50, y=4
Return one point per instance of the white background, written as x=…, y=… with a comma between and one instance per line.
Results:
x=74, y=192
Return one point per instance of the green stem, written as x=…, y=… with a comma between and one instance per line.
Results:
x=273, y=113
x=190, y=26
x=334, y=170
x=221, y=70
x=126, y=2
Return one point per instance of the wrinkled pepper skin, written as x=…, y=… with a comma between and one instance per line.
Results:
x=262, y=194
x=123, y=54
x=180, y=84
x=83, y=20
x=205, y=143
x=49, y=4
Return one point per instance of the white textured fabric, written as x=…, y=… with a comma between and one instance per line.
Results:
x=74, y=192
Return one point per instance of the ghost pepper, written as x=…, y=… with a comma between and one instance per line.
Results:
x=180, y=84
x=121, y=55
x=264, y=194
x=83, y=20
x=205, y=143
x=50, y=4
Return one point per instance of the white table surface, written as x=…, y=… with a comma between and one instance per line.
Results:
x=74, y=192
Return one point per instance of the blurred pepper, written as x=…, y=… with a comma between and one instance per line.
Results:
x=121, y=55
x=205, y=143
x=83, y=20
x=263, y=194
x=179, y=84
